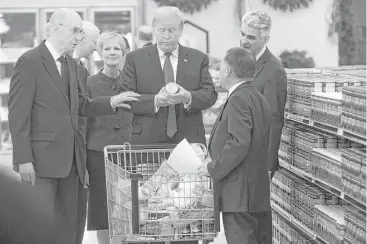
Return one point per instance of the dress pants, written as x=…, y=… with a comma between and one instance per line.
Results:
x=64, y=193
x=81, y=214
x=245, y=227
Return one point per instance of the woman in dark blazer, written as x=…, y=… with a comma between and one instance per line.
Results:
x=105, y=130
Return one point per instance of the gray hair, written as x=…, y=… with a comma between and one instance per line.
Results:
x=258, y=20
x=108, y=36
x=242, y=62
x=168, y=10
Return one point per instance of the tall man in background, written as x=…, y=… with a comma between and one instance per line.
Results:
x=271, y=81
x=145, y=36
x=238, y=148
x=158, y=116
x=45, y=102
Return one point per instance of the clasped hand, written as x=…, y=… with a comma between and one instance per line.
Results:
x=164, y=99
x=119, y=101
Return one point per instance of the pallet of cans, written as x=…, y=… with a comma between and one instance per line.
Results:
x=354, y=110
x=330, y=223
x=355, y=226
x=327, y=164
x=354, y=173
x=327, y=107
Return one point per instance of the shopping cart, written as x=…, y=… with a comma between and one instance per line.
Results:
x=149, y=202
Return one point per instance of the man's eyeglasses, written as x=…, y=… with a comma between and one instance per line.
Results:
x=75, y=30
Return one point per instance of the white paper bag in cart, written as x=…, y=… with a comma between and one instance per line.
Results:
x=183, y=158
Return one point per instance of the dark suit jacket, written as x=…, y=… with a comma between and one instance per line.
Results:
x=43, y=120
x=107, y=130
x=271, y=80
x=238, y=147
x=143, y=74
x=82, y=76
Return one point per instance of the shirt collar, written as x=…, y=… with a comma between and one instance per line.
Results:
x=260, y=53
x=174, y=53
x=55, y=54
x=231, y=90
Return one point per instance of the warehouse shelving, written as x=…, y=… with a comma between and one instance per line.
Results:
x=322, y=184
x=327, y=128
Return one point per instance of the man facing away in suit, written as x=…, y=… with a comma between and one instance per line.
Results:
x=45, y=102
x=238, y=149
x=158, y=116
x=271, y=81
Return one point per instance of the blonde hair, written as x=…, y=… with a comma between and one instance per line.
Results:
x=166, y=10
x=108, y=36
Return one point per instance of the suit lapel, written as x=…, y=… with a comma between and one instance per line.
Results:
x=261, y=61
x=155, y=61
x=181, y=65
x=50, y=65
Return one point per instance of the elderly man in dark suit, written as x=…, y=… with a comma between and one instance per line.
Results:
x=238, y=147
x=271, y=81
x=45, y=102
x=82, y=53
x=160, y=117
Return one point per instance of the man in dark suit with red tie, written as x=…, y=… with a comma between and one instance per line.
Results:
x=160, y=117
x=45, y=102
x=238, y=147
x=271, y=81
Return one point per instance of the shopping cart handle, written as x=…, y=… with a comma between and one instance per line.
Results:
x=135, y=202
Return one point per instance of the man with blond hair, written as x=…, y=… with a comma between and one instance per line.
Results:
x=271, y=80
x=161, y=117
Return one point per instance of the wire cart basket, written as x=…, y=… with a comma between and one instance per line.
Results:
x=149, y=202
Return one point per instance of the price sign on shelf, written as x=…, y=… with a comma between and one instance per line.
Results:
x=340, y=131
x=342, y=195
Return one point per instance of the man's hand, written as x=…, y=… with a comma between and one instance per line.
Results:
x=119, y=101
x=182, y=96
x=161, y=98
x=27, y=173
x=203, y=169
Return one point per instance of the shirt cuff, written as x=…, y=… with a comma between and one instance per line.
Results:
x=187, y=106
x=113, y=107
x=156, y=108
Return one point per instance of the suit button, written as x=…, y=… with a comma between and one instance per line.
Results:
x=117, y=128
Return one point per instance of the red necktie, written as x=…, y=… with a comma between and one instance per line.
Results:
x=169, y=77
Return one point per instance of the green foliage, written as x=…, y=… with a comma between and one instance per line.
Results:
x=186, y=6
x=349, y=34
x=296, y=59
x=290, y=5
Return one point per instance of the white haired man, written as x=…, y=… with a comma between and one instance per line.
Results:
x=45, y=103
x=271, y=81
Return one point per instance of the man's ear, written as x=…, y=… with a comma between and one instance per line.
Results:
x=228, y=71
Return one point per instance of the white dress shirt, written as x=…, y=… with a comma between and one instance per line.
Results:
x=174, y=62
x=55, y=54
x=260, y=53
x=230, y=90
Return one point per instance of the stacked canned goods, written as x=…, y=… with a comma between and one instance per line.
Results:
x=327, y=165
x=326, y=107
x=355, y=227
x=354, y=110
x=354, y=173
